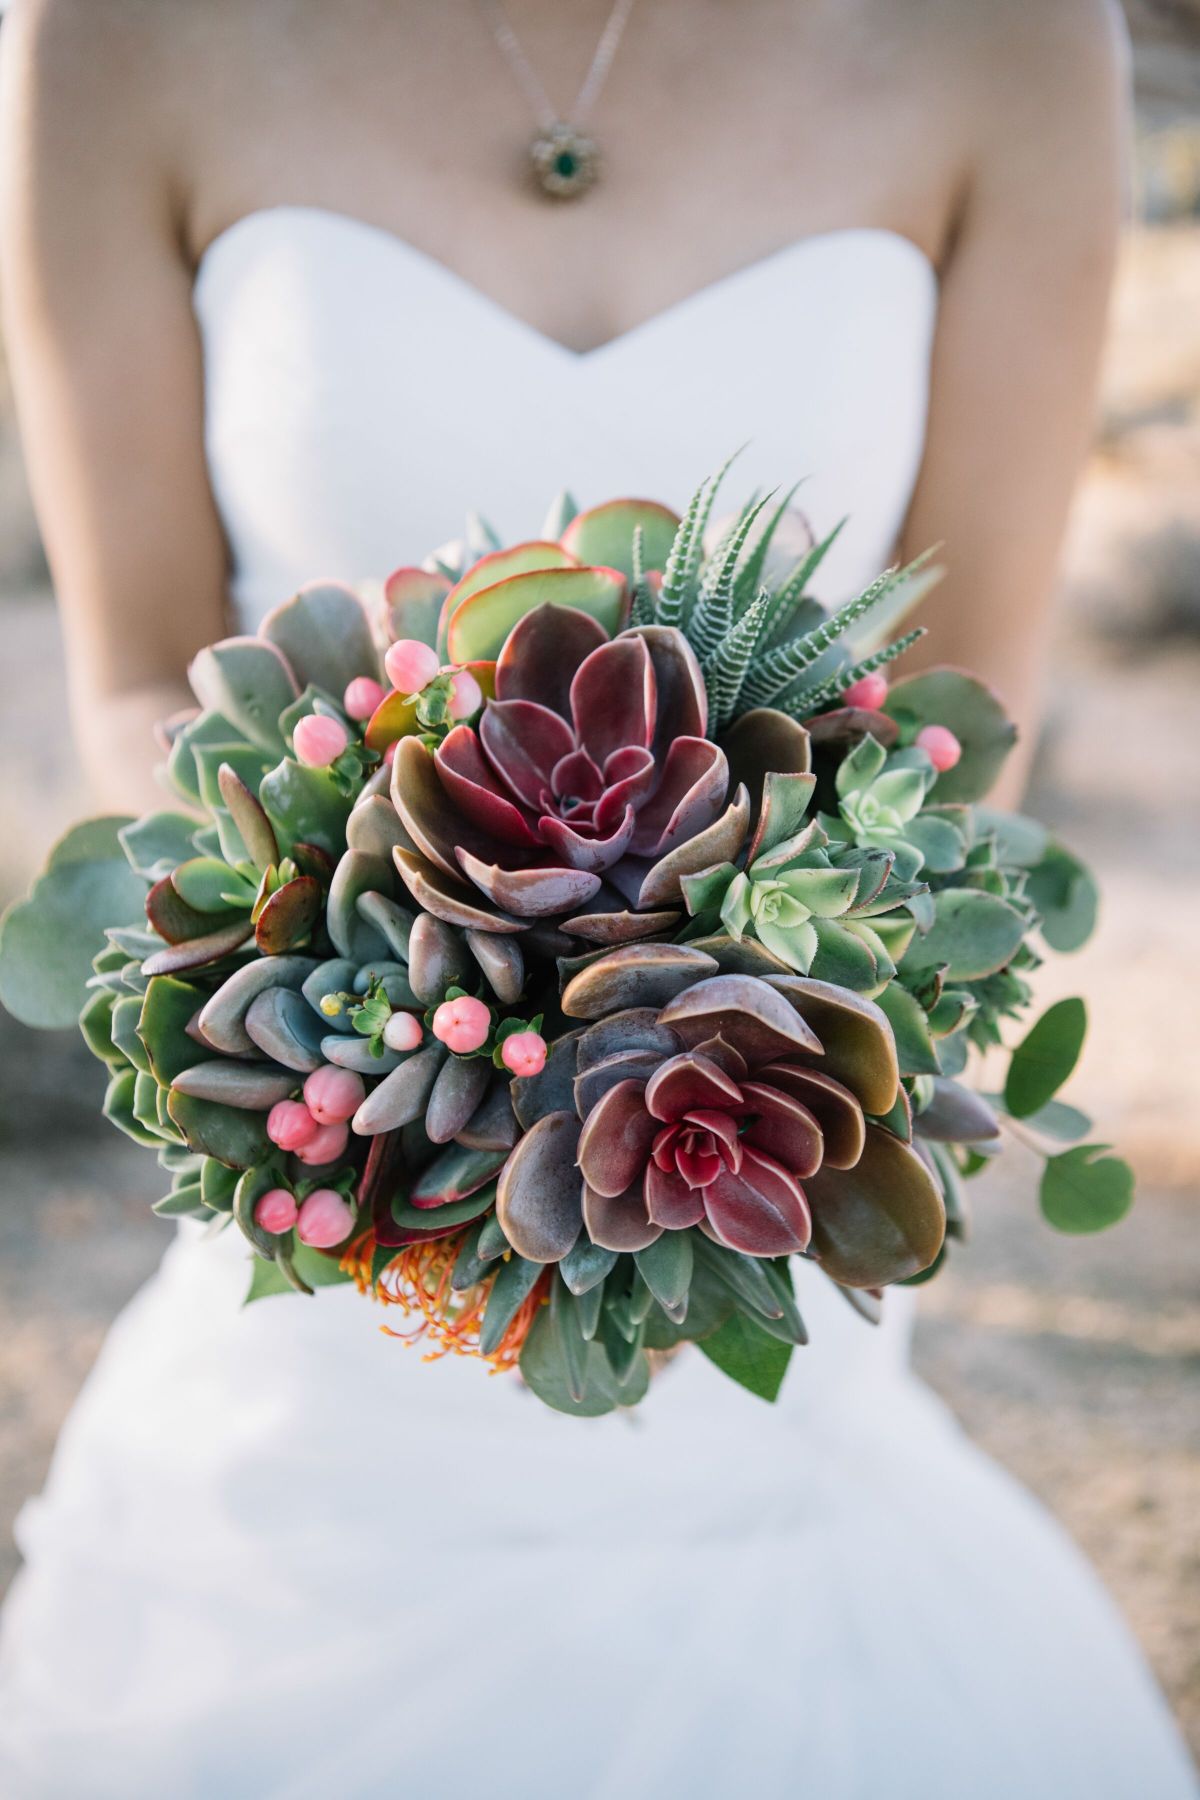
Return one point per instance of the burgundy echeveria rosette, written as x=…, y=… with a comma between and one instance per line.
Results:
x=587, y=770
x=741, y=1106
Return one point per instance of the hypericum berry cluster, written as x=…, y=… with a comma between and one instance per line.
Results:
x=413, y=669
x=316, y=1129
x=322, y=1220
x=463, y=1024
x=468, y=1027
x=937, y=741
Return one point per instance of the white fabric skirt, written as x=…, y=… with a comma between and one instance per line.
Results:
x=279, y=1557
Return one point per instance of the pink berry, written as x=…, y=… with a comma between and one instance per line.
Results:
x=324, y=1220
x=462, y=1024
x=327, y=1144
x=940, y=746
x=319, y=740
x=291, y=1125
x=403, y=1031
x=466, y=695
x=334, y=1095
x=410, y=665
x=524, y=1053
x=276, y=1211
x=362, y=697
x=869, y=691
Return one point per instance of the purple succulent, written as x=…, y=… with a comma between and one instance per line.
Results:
x=744, y=1106
x=590, y=765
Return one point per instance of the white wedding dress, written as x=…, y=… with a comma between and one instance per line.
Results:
x=278, y=1556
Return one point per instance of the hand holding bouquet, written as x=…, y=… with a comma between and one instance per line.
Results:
x=634, y=939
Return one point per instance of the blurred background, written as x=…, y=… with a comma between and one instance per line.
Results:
x=1073, y=1361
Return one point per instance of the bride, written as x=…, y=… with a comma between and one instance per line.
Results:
x=286, y=295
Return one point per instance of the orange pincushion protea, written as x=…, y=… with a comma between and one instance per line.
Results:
x=448, y=1322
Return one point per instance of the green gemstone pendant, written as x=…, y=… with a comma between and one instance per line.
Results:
x=565, y=163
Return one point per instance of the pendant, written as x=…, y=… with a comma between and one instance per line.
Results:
x=565, y=163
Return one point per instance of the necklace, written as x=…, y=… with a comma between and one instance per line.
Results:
x=564, y=160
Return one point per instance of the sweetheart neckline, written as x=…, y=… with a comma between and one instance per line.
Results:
x=435, y=267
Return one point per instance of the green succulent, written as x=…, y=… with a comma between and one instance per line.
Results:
x=839, y=920
x=881, y=806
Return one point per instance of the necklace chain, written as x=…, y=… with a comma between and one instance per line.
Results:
x=527, y=76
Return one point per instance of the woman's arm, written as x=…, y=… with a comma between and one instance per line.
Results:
x=107, y=371
x=1024, y=302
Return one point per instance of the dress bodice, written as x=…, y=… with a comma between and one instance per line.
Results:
x=361, y=398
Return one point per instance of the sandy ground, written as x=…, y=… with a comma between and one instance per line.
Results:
x=1074, y=1362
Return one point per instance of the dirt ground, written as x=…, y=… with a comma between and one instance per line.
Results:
x=1073, y=1361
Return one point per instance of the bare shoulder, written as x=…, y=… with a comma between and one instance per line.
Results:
x=1061, y=54
x=1037, y=56
x=113, y=82
x=85, y=100
x=1041, y=110
x=1040, y=74
x=91, y=53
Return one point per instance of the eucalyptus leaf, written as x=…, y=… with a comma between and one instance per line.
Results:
x=1084, y=1190
x=1066, y=897
x=92, y=840
x=181, y=1203
x=973, y=934
x=1045, y=1058
x=1058, y=1120
x=48, y=941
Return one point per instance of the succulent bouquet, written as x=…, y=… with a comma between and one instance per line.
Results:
x=632, y=940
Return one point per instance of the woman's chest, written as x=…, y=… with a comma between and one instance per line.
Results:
x=718, y=145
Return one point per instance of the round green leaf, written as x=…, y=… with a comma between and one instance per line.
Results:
x=1045, y=1058
x=1084, y=1190
x=47, y=942
x=1056, y=1120
x=1066, y=896
x=973, y=934
x=93, y=840
x=971, y=711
